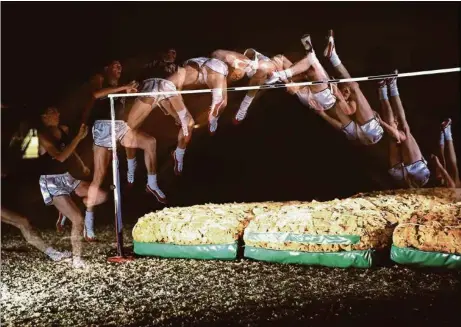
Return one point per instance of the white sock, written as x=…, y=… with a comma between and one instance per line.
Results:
x=442, y=138
x=89, y=223
x=50, y=251
x=216, y=97
x=152, y=181
x=334, y=59
x=383, y=93
x=213, y=123
x=182, y=117
x=447, y=133
x=246, y=102
x=182, y=113
x=393, y=90
x=77, y=262
x=288, y=73
x=179, y=153
x=132, y=165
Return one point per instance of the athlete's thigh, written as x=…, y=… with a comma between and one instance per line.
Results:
x=67, y=207
x=216, y=80
x=12, y=218
x=364, y=112
x=101, y=157
x=410, y=150
x=136, y=139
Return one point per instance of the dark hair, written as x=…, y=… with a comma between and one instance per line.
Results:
x=110, y=62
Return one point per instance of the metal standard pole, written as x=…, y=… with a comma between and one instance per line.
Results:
x=117, y=196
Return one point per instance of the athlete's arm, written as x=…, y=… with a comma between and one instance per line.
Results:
x=63, y=155
x=392, y=131
x=99, y=92
x=333, y=122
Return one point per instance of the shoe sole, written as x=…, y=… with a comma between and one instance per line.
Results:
x=88, y=239
x=159, y=199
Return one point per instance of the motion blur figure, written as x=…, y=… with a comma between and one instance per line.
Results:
x=9, y=166
x=99, y=113
x=267, y=70
x=408, y=166
x=30, y=234
x=56, y=184
x=109, y=79
x=365, y=126
x=197, y=72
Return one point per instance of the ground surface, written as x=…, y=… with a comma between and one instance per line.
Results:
x=164, y=292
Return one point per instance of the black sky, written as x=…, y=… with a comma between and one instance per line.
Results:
x=55, y=44
x=282, y=151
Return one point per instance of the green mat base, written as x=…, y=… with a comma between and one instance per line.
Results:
x=346, y=259
x=206, y=251
x=408, y=256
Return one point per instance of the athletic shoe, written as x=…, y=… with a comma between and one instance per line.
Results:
x=307, y=43
x=392, y=80
x=89, y=236
x=157, y=193
x=212, y=125
x=446, y=123
x=240, y=116
x=58, y=256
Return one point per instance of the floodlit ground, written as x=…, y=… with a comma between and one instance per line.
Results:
x=170, y=292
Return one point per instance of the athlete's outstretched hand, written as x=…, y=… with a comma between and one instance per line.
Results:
x=132, y=87
x=83, y=131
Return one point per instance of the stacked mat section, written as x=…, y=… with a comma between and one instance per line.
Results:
x=430, y=238
x=208, y=231
x=339, y=233
x=400, y=204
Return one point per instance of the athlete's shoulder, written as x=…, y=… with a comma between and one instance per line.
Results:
x=97, y=80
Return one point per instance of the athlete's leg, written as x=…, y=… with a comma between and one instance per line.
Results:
x=101, y=162
x=395, y=156
x=218, y=83
x=140, y=140
x=258, y=79
x=141, y=108
x=451, y=162
x=410, y=149
x=441, y=149
x=68, y=208
x=31, y=236
x=183, y=141
x=364, y=112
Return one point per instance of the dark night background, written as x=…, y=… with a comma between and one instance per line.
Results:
x=282, y=151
